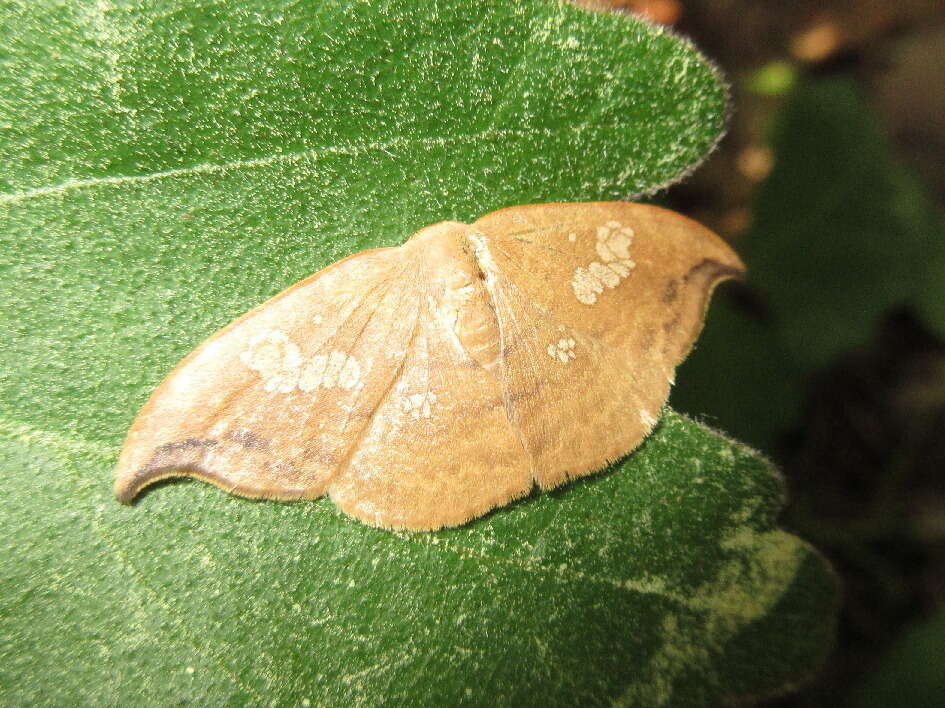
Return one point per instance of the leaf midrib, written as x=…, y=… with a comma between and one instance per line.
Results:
x=253, y=162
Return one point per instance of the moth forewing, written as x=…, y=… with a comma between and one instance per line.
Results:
x=421, y=386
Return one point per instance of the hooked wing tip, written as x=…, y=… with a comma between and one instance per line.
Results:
x=129, y=484
x=140, y=465
x=124, y=492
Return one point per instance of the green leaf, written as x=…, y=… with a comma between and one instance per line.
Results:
x=842, y=233
x=912, y=674
x=165, y=169
x=663, y=582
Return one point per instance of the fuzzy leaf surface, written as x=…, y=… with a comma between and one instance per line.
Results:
x=165, y=167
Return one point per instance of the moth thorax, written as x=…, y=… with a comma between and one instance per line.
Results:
x=442, y=242
x=477, y=327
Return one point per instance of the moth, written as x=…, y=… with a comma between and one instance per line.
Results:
x=423, y=385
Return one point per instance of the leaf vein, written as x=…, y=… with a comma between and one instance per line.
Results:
x=250, y=163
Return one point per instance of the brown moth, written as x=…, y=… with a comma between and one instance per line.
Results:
x=421, y=386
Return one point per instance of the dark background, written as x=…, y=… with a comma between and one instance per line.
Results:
x=830, y=359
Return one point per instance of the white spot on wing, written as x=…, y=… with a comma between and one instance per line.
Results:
x=613, y=241
x=282, y=367
x=586, y=286
x=604, y=274
x=328, y=371
x=622, y=268
x=419, y=405
x=311, y=377
x=613, y=247
x=336, y=362
x=350, y=375
x=275, y=358
x=563, y=350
